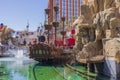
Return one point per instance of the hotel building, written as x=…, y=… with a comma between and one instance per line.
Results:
x=70, y=9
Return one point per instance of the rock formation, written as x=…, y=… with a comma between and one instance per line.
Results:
x=98, y=35
x=99, y=19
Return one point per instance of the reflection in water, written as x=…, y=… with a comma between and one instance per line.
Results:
x=25, y=69
x=34, y=71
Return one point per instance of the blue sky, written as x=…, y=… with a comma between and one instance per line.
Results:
x=16, y=13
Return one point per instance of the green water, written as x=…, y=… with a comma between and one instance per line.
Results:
x=17, y=69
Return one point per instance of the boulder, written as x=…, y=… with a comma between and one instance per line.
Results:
x=86, y=14
x=98, y=5
x=115, y=27
x=91, y=49
x=102, y=22
x=108, y=4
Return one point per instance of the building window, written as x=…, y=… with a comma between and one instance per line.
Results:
x=64, y=7
x=57, y=2
x=76, y=8
x=69, y=10
x=81, y=2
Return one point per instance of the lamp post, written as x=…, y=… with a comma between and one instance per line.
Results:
x=63, y=32
x=38, y=31
x=56, y=24
x=48, y=26
x=27, y=27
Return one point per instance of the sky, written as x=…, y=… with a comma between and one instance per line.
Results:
x=17, y=13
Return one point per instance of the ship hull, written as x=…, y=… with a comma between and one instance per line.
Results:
x=59, y=60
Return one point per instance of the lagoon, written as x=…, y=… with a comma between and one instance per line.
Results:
x=27, y=69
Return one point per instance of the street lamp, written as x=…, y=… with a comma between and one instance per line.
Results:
x=63, y=32
x=56, y=9
x=48, y=27
x=56, y=24
x=38, y=31
x=27, y=29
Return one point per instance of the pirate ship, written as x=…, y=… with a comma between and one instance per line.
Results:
x=49, y=54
